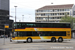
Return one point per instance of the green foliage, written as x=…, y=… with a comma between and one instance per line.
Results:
x=70, y=19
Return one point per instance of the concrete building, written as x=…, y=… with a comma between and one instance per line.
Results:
x=4, y=18
x=53, y=13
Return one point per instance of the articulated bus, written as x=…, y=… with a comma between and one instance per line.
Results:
x=35, y=31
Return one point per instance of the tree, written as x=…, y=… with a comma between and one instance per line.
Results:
x=69, y=19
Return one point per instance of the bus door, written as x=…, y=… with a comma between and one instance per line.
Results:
x=14, y=36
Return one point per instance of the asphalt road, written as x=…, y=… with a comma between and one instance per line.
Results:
x=66, y=45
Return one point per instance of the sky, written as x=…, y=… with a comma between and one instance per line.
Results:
x=25, y=10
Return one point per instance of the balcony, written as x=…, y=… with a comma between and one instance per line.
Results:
x=52, y=16
x=51, y=12
x=47, y=19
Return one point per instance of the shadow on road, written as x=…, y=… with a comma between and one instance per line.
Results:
x=39, y=42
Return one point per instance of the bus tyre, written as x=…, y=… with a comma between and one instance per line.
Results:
x=29, y=40
x=60, y=39
x=53, y=39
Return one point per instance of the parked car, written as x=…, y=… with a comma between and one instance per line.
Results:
x=2, y=36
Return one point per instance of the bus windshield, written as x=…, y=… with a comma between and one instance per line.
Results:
x=14, y=34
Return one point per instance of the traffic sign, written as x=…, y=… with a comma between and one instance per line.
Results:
x=6, y=25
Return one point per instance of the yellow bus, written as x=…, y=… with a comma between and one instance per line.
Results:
x=35, y=31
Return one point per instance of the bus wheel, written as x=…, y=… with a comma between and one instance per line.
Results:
x=60, y=39
x=29, y=40
x=53, y=39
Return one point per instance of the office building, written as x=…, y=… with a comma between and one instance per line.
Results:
x=4, y=18
x=54, y=13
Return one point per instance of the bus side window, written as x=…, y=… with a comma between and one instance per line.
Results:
x=23, y=25
x=18, y=25
x=23, y=33
x=29, y=34
x=35, y=34
x=38, y=33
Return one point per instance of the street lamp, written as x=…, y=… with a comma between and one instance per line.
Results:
x=51, y=2
x=22, y=18
x=19, y=20
x=30, y=17
x=15, y=13
x=48, y=18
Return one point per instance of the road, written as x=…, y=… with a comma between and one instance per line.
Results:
x=66, y=45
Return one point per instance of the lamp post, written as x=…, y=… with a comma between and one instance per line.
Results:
x=51, y=2
x=48, y=18
x=19, y=20
x=22, y=18
x=30, y=17
x=5, y=26
x=15, y=13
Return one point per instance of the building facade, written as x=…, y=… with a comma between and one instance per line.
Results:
x=4, y=18
x=53, y=13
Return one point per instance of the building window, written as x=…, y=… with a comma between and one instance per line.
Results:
x=60, y=17
x=41, y=10
x=39, y=17
x=36, y=10
x=66, y=9
x=42, y=14
x=46, y=18
x=67, y=13
x=46, y=14
x=61, y=13
x=38, y=14
x=38, y=21
x=73, y=12
x=49, y=14
x=56, y=10
x=57, y=13
x=52, y=14
x=55, y=17
x=50, y=17
x=46, y=10
x=61, y=9
x=50, y=10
